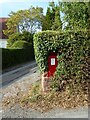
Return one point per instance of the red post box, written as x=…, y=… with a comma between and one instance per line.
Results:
x=52, y=63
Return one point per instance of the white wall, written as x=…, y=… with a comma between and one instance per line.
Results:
x=3, y=43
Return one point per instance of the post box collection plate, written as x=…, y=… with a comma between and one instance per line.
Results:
x=52, y=61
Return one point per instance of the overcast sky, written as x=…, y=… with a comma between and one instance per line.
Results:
x=6, y=6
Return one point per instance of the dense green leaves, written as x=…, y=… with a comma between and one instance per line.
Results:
x=12, y=57
x=24, y=20
x=52, y=19
x=76, y=15
x=25, y=36
x=21, y=45
x=73, y=50
x=23, y=24
x=57, y=24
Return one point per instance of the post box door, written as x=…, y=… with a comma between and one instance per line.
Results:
x=52, y=64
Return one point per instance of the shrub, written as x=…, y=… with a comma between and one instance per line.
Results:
x=28, y=36
x=25, y=36
x=73, y=50
x=12, y=57
x=21, y=44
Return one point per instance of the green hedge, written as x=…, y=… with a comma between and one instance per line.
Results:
x=12, y=57
x=73, y=51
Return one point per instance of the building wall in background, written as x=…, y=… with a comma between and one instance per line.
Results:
x=3, y=37
x=3, y=43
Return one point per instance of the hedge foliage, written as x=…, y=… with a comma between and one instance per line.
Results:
x=12, y=57
x=21, y=45
x=72, y=48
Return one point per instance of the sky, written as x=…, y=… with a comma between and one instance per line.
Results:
x=6, y=6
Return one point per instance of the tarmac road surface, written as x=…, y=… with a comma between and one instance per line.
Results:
x=17, y=73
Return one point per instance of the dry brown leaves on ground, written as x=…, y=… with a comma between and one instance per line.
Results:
x=74, y=95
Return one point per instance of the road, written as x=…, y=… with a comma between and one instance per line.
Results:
x=22, y=78
x=13, y=75
x=18, y=112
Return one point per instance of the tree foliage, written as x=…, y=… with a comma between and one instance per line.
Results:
x=25, y=36
x=24, y=20
x=76, y=15
x=52, y=20
x=57, y=24
x=47, y=22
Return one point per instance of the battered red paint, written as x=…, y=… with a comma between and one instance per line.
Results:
x=52, y=64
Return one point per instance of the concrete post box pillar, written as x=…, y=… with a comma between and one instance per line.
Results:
x=45, y=80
